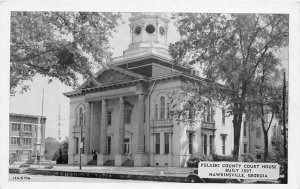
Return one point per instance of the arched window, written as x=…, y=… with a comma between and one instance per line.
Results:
x=162, y=107
x=80, y=116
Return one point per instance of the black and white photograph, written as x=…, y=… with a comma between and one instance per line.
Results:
x=150, y=96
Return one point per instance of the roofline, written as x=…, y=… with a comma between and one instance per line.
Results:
x=149, y=55
x=79, y=93
x=113, y=84
x=27, y=115
x=177, y=74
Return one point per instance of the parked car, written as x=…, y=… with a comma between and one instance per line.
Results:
x=194, y=178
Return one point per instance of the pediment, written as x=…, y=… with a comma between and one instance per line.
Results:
x=91, y=83
x=111, y=76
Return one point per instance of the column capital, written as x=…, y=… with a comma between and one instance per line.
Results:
x=141, y=96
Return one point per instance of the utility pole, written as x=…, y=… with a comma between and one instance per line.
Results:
x=41, y=122
x=59, y=123
x=80, y=147
x=284, y=125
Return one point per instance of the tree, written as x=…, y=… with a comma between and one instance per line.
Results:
x=61, y=155
x=230, y=48
x=267, y=96
x=62, y=45
x=51, y=146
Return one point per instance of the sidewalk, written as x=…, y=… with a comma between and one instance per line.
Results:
x=155, y=171
x=165, y=174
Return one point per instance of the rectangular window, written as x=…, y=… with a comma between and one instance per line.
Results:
x=190, y=143
x=207, y=115
x=167, y=145
x=27, y=127
x=27, y=141
x=258, y=132
x=109, y=115
x=156, y=111
x=128, y=116
x=168, y=110
x=210, y=144
x=14, y=140
x=223, y=116
x=83, y=145
x=162, y=112
x=126, y=146
x=223, y=145
x=15, y=126
x=205, y=145
x=77, y=145
x=108, y=148
x=245, y=148
x=157, y=143
x=245, y=128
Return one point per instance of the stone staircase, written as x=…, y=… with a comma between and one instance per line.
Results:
x=109, y=163
x=128, y=163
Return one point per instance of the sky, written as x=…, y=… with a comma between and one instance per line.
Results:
x=31, y=102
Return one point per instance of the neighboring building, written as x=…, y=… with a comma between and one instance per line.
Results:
x=125, y=112
x=252, y=136
x=26, y=133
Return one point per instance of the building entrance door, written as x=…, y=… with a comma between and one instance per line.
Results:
x=127, y=149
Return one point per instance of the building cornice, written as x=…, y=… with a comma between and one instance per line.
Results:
x=27, y=116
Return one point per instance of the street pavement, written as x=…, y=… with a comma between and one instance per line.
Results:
x=44, y=178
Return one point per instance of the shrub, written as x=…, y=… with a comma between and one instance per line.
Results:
x=194, y=160
x=247, y=158
x=222, y=158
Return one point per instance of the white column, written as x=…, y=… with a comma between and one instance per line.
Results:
x=121, y=127
x=140, y=136
x=103, y=128
x=119, y=157
x=91, y=127
x=87, y=129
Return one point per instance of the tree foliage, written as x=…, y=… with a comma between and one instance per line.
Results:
x=51, y=146
x=62, y=45
x=61, y=154
x=231, y=48
x=266, y=97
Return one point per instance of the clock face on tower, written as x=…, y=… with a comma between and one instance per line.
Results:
x=137, y=30
x=150, y=29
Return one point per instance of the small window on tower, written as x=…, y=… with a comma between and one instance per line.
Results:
x=161, y=31
x=138, y=30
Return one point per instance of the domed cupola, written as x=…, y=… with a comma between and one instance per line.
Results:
x=148, y=30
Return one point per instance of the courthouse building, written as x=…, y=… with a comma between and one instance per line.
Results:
x=27, y=135
x=125, y=113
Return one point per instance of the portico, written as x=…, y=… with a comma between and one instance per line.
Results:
x=118, y=102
